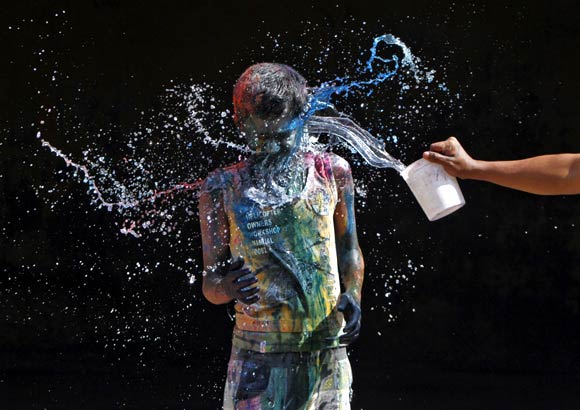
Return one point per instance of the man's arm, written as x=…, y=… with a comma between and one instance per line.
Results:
x=223, y=279
x=350, y=259
x=557, y=174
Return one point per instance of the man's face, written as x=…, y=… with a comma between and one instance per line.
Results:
x=272, y=140
x=280, y=143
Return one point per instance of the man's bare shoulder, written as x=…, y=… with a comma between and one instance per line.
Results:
x=340, y=166
x=220, y=178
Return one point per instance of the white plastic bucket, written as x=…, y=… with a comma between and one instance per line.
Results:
x=437, y=192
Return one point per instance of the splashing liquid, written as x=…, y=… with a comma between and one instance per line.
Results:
x=377, y=69
x=369, y=147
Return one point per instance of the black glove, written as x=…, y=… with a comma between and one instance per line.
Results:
x=350, y=308
x=237, y=283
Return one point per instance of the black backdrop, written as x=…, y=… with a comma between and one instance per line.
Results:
x=490, y=318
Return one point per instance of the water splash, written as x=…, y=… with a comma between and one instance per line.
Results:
x=124, y=203
x=135, y=168
x=159, y=160
x=368, y=146
x=197, y=104
x=88, y=178
x=409, y=60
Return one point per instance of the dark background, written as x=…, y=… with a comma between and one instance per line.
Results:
x=488, y=320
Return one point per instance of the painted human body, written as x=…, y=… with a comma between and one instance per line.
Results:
x=279, y=237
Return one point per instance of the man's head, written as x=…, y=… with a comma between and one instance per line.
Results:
x=266, y=97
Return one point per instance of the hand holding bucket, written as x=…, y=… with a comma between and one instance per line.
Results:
x=437, y=192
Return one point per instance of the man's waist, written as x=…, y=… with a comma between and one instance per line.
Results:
x=289, y=359
x=331, y=323
x=266, y=342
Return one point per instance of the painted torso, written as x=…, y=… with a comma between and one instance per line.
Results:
x=292, y=247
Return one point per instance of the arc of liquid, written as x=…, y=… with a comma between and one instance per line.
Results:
x=99, y=197
x=322, y=96
x=369, y=147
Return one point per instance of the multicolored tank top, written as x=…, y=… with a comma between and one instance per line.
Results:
x=292, y=246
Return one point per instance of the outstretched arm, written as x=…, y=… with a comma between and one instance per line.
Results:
x=223, y=279
x=557, y=174
x=350, y=259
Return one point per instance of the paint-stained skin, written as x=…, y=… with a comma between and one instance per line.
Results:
x=299, y=249
x=279, y=237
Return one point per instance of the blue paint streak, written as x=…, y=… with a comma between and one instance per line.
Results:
x=322, y=96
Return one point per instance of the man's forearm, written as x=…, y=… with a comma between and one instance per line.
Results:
x=212, y=287
x=352, y=272
x=213, y=290
x=543, y=175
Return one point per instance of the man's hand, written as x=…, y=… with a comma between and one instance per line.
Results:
x=451, y=155
x=348, y=305
x=237, y=283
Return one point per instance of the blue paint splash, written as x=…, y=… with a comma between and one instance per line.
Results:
x=369, y=147
x=144, y=207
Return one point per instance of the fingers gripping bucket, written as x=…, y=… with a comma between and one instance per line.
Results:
x=437, y=192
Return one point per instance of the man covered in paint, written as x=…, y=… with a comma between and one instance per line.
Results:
x=279, y=238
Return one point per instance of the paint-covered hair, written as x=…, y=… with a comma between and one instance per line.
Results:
x=268, y=91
